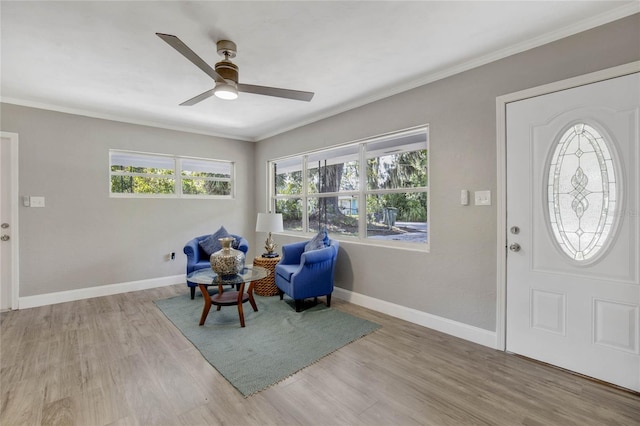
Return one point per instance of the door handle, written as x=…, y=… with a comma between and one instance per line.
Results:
x=5, y=237
x=515, y=247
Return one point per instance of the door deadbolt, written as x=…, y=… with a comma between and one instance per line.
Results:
x=515, y=247
x=515, y=230
x=4, y=225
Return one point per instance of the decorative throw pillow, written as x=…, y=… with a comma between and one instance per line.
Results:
x=326, y=240
x=318, y=241
x=211, y=244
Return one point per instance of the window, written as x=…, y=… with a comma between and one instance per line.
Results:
x=135, y=174
x=582, y=192
x=333, y=182
x=375, y=189
x=205, y=177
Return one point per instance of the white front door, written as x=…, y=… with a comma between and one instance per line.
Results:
x=573, y=273
x=8, y=220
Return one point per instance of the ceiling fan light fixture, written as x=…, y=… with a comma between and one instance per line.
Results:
x=225, y=74
x=227, y=91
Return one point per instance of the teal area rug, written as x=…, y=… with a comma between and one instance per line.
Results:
x=276, y=342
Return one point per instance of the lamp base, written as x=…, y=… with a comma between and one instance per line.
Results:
x=270, y=255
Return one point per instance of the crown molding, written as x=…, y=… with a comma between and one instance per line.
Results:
x=118, y=118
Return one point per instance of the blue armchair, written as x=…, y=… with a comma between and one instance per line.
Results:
x=301, y=274
x=198, y=259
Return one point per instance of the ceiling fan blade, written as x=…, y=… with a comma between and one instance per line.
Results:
x=185, y=51
x=274, y=91
x=201, y=97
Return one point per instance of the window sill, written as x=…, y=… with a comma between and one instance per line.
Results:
x=387, y=244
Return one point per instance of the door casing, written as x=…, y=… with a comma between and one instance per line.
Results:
x=13, y=207
x=501, y=192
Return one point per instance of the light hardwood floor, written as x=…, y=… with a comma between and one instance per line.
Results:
x=117, y=360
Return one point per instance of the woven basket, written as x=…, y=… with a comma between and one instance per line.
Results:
x=266, y=286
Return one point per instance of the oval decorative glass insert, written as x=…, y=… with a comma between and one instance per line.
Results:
x=582, y=192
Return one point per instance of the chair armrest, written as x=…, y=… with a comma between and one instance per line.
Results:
x=192, y=250
x=291, y=253
x=243, y=244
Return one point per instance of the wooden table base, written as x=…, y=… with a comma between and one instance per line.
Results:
x=228, y=298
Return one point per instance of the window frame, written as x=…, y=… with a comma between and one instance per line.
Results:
x=177, y=161
x=361, y=193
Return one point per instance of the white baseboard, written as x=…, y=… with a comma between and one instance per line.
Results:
x=103, y=290
x=444, y=325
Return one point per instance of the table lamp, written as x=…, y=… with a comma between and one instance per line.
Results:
x=269, y=222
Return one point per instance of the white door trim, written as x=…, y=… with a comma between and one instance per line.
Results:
x=15, y=271
x=501, y=150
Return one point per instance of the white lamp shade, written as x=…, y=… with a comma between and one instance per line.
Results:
x=269, y=222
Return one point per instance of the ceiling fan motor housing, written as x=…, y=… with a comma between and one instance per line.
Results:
x=227, y=70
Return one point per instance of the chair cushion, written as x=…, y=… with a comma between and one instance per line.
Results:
x=285, y=271
x=211, y=244
x=319, y=241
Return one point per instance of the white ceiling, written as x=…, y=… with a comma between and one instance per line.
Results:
x=103, y=59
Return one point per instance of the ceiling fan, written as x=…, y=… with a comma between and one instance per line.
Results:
x=225, y=74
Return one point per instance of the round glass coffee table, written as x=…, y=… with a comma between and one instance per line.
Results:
x=206, y=277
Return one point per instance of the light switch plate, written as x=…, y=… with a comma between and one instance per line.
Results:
x=483, y=198
x=464, y=197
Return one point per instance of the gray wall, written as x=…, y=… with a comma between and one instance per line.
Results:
x=84, y=238
x=457, y=279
